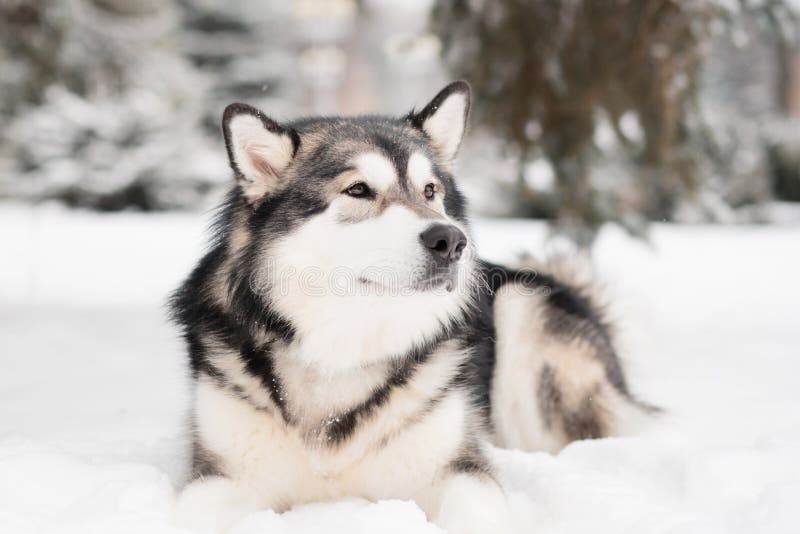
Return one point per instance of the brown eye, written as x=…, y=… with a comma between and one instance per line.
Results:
x=359, y=190
x=430, y=191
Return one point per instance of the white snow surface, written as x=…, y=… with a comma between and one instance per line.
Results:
x=93, y=388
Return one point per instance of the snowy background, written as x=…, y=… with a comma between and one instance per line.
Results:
x=111, y=159
x=585, y=112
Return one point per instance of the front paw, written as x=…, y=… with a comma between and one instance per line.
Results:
x=212, y=505
x=473, y=505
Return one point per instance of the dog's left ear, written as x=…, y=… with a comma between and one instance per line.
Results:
x=259, y=149
x=444, y=119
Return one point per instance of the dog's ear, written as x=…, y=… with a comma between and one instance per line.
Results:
x=259, y=149
x=444, y=119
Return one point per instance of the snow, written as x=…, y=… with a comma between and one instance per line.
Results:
x=540, y=175
x=93, y=390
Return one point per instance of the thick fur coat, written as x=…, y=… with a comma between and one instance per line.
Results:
x=345, y=340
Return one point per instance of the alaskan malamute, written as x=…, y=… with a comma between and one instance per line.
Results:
x=345, y=341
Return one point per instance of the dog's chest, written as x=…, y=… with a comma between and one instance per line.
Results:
x=316, y=398
x=382, y=460
x=388, y=451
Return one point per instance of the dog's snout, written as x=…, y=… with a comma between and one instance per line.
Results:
x=444, y=241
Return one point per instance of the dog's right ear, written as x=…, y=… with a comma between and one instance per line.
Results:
x=259, y=149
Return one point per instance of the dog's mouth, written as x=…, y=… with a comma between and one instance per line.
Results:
x=430, y=281
x=371, y=283
x=446, y=281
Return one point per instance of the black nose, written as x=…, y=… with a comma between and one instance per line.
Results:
x=445, y=241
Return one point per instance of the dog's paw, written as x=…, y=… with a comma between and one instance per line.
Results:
x=212, y=505
x=472, y=505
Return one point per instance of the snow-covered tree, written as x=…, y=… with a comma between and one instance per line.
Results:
x=608, y=98
x=113, y=104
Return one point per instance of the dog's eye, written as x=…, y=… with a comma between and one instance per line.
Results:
x=430, y=191
x=359, y=190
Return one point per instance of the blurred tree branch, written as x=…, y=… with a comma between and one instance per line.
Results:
x=546, y=73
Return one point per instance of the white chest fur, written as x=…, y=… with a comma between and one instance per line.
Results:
x=394, y=450
x=276, y=462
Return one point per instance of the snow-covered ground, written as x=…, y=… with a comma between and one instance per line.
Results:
x=93, y=390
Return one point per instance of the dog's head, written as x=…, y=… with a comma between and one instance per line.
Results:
x=355, y=222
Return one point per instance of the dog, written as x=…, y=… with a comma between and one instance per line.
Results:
x=346, y=341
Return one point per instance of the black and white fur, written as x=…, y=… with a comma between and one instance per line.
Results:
x=345, y=341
